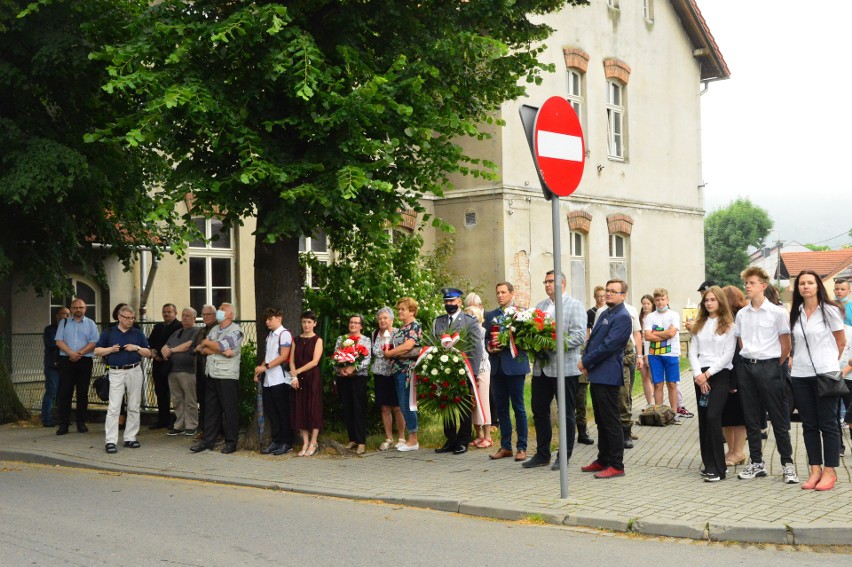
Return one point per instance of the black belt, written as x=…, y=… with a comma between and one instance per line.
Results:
x=759, y=360
x=125, y=367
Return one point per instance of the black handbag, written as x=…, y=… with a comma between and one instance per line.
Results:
x=829, y=384
x=101, y=387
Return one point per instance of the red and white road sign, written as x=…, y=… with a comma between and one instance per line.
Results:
x=558, y=146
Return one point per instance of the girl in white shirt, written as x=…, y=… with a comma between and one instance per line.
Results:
x=816, y=323
x=711, y=354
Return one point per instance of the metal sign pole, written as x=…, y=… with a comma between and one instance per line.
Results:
x=560, y=346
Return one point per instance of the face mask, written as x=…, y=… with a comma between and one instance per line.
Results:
x=662, y=309
x=220, y=316
x=451, y=308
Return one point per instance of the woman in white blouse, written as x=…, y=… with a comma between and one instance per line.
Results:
x=816, y=323
x=711, y=354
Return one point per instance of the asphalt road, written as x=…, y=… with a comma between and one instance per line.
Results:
x=62, y=516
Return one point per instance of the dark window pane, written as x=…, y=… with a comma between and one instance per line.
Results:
x=221, y=236
x=197, y=298
x=221, y=296
x=197, y=272
x=221, y=272
x=301, y=244
x=201, y=225
x=86, y=293
x=319, y=243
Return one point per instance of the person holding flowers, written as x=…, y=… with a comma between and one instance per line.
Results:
x=352, y=360
x=509, y=368
x=458, y=432
x=384, y=379
x=544, y=382
x=405, y=343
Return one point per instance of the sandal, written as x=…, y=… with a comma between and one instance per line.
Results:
x=478, y=442
x=312, y=449
x=303, y=451
x=388, y=443
x=486, y=443
x=351, y=445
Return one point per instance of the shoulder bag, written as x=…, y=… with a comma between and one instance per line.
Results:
x=829, y=384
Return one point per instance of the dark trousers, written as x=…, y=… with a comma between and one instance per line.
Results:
x=582, y=393
x=73, y=376
x=710, y=436
x=819, y=422
x=222, y=410
x=353, y=397
x=160, y=374
x=543, y=393
x=761, y=386
x=459, y=434
x=51, y=385
x=276, y=408
x=611, y=436
x=200, y=392
x=847, y=401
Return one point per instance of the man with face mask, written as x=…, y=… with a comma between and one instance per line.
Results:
x=458, y=435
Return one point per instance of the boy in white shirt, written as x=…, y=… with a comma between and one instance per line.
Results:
x=662, y=328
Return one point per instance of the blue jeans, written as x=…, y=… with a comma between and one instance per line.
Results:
x=51, y=385
x=510, y=388
x=402, y=392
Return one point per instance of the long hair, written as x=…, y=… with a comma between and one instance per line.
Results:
x=822, y=298
x=736, y=299
x=642, y=313
x=724, y=319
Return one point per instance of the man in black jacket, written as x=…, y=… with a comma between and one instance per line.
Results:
x=161, y=367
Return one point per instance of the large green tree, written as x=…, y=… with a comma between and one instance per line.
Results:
x=317, y=113
x=728, y=233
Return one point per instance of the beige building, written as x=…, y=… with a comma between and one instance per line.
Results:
x=635, y=72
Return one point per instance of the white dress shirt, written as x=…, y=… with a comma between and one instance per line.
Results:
x=708, y=349
x=823, y=347
x=760, y=328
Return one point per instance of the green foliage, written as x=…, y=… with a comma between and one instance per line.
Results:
x=248, y=387
x=60, y=197
x=728, y=233
x=817, y=247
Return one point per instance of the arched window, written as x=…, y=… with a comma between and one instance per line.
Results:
x=84, y=289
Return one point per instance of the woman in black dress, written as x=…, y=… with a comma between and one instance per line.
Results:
x=307, y=396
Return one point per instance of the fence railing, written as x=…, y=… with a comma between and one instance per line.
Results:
x=26, y=360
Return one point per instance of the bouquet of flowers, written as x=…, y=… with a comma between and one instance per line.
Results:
x=444, y=380
x=350, y=353
x=534, y=331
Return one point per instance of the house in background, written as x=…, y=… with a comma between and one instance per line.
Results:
x=829, y=264
x=635, y=73
x=769, y=258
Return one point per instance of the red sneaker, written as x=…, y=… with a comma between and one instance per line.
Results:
x=609, y=472
x=594, y=467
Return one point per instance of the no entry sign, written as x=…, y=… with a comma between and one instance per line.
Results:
x=556, y=140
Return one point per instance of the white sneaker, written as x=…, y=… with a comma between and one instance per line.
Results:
x=755, y=470
x=790, y=476
x=404, y=448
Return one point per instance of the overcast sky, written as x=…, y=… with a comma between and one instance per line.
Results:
x=778, y=131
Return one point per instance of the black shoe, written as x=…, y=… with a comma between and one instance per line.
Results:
x=628, y=443
x=446, y=448
x=157, y=426
x=198, y=447
x=228, y=449
x=63, y=430
x=537, y=461
x=110, y=448
x=269, y=448
x=282, y=449
x=81, y=428
x=460, y=450
x=764, y=435
x=174, y=432
x=132, y=444
x=585, y=439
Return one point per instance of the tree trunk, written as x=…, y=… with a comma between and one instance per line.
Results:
x=277, y=284
x=11, y=408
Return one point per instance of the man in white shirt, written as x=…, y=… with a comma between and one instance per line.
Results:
x=277, y=383
x=763, y=330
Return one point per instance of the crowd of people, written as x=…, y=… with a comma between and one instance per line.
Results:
x=750, y=360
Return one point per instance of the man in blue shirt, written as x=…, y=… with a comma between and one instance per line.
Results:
x=123, y=346
x=75, y=337
x=602, y=363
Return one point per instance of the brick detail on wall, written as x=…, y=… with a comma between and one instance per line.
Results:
x=620, y=223
x=409, y=220
x=617, y=69
x=521, y=278
x=579, y=221
x=576, y=59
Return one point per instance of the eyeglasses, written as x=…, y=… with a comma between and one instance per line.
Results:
x=613, y=292
x=545, y=282
x=128, y=318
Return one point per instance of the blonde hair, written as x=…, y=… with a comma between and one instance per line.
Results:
x=755, y=271
x=475, y=311
x=473, y=299
x=725, y=318
x=661, y=292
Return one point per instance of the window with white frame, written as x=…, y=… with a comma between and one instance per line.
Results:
x=211, y=265
x=578, y=266
x=648, y=10
x=618, y=267
x=317, y=244
x=615, y=119
x=575, y=91
x=85, y=290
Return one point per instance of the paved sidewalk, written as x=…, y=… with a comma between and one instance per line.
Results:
x=661, y=494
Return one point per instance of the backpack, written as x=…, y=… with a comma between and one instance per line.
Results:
x=657, y=415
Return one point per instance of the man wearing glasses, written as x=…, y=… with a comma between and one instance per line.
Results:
x=123, y=346
x=75, y=337
x=602, y=363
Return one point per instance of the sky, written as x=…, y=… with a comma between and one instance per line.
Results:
x=778, y=131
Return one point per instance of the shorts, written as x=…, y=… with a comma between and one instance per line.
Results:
x=664, y=368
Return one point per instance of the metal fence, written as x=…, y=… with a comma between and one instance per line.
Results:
x=26, y=356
